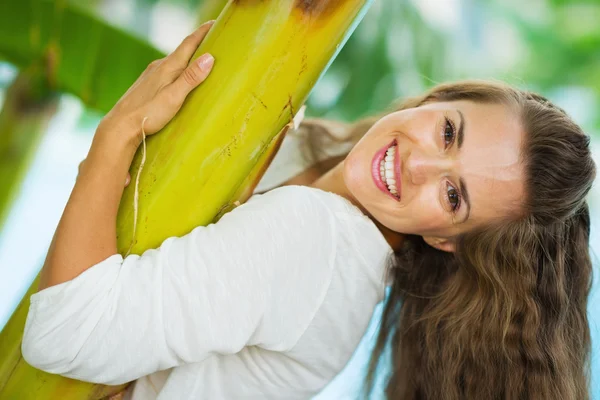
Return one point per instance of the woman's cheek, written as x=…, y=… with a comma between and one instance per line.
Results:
x=430, y=216
x=435, y=222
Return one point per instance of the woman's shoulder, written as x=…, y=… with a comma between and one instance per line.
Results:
x=358, y=244
x=352, y=226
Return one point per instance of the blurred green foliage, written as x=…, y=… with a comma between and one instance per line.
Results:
x=400, y=49
x=562, y=47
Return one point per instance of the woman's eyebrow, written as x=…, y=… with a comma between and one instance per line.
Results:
x=461, y=129
x=462, y=183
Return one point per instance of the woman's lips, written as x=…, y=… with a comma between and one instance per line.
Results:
x=398, y=172
x=379, y=156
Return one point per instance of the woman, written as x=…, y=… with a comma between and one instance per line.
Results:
x=470, y=198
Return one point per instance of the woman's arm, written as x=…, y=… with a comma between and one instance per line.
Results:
x=86, y=233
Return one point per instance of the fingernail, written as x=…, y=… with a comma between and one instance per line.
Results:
x=206, y=61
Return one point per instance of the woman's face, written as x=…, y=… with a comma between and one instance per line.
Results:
x=454, y=165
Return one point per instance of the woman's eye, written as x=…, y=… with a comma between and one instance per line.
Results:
x=448, y=134
x=453, y=197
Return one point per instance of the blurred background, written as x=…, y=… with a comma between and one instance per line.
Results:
x=401, y=48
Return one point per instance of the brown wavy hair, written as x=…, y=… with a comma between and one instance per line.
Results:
x=504, y=317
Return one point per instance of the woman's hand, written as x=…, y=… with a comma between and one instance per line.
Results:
x=159, y=92
x=86, y=233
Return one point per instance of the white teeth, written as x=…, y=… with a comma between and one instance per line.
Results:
x=386, y=169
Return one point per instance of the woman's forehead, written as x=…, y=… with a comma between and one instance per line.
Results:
x=490, y=159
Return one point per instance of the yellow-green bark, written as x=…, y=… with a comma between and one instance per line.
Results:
x=269, y=54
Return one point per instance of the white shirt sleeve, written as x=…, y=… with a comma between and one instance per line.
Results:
x=212, y=291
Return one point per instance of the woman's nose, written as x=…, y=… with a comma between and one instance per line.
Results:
x=421, y=167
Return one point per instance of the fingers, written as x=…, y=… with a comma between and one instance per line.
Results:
x=185, y=51
x=154, y=64
x=191, y=77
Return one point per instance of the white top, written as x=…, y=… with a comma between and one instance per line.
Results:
x=268, y=303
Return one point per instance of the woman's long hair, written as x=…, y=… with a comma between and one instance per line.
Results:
x=504, y=317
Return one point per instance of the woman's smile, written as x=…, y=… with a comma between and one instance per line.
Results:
x=385, y=170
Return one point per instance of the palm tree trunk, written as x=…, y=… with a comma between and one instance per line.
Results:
x=269, y=55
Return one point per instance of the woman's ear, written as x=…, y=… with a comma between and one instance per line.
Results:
x=443, y=244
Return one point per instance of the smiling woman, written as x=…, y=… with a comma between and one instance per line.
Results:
x=485, y=209
x=469, y=202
